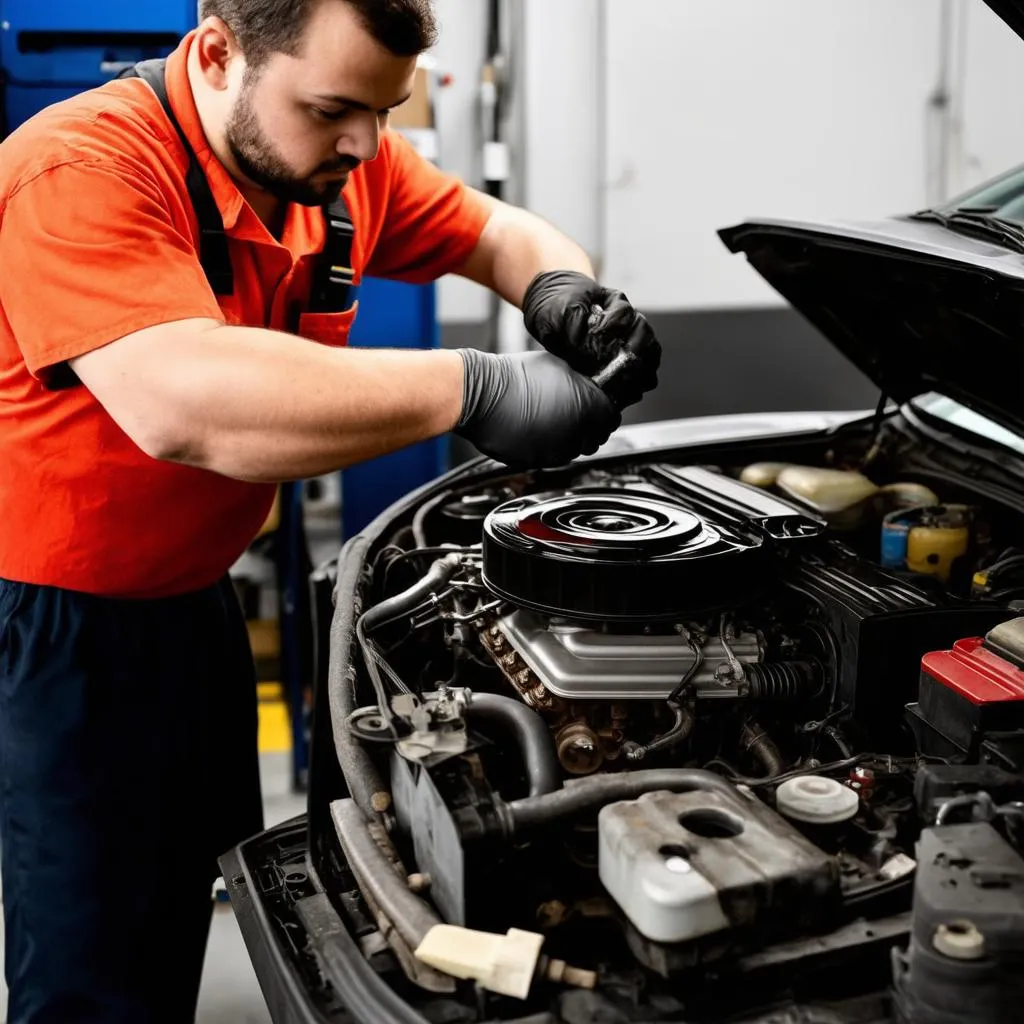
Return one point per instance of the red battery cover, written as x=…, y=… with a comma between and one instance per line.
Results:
x=975, y=673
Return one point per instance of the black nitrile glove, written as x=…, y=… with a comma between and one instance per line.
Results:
x=531, y=410
x=557, y=311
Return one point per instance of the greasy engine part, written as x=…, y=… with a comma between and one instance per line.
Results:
x=578, y=662
x=966, y=955
x=431, y=797
x=585, y=734
x=608, y=555
x=683, y=866
x=579, y=747
x=519, y=674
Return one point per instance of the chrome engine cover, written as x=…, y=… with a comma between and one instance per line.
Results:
x=578, y=662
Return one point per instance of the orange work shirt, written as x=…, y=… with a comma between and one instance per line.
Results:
x=98, y=239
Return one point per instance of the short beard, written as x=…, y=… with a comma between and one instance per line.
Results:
x=260, y=162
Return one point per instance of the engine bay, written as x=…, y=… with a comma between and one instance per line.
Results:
x=666, y=741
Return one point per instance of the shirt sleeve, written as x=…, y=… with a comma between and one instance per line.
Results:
x=91, y=253
x=433, y=221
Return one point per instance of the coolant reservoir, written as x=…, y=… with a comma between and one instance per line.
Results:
x=685, y=865
x=762, y=474
x=926, y=540
x=933, y=548
x=838, y=495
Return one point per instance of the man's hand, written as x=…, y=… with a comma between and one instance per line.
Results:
x=557, y=310
x=532, y=410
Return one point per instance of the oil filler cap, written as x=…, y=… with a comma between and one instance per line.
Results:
x=816, y=800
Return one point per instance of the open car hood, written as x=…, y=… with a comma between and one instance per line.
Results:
x=915, y=307
x=1011, y=11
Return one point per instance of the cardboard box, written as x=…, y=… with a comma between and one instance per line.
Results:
x=417, y=112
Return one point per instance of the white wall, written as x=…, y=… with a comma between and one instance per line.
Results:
x=460, y=51
x=556, y=124
x=990, y=100
x=563, y=111
x=723, y=109
x=649, y=124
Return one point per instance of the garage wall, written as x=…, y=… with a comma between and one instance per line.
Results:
x=649, y=124
x=989, y=99
x=723, y=109
x=460, y=52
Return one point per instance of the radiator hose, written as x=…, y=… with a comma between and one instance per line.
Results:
x=531, y=734
x=522, y=817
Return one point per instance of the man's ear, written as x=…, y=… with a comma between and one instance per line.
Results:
x=217, y=49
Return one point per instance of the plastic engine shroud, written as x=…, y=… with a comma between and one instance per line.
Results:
x=618, y=555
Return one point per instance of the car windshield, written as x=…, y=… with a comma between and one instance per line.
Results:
x=994, y=212
x=960, y=416
x=1002, y=198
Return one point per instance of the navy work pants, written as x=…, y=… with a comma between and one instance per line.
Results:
x=128, y=764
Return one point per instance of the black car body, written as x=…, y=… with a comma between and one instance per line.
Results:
x=724, y=723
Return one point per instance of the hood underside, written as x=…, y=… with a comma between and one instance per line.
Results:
x=1011, y=11
x=915, y=307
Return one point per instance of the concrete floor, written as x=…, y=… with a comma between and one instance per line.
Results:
x=230, y=993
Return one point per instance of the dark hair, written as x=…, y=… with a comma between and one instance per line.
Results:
x=264, y=27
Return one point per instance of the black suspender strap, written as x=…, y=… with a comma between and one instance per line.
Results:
x=213, y=242
x=334, y=275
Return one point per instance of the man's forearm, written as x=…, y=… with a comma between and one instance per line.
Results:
x=260, y=406
x=515, y=246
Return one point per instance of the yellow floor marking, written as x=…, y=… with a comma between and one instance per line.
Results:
x=275, y=724
x=270, y=692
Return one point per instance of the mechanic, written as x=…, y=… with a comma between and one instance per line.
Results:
x=155, y=386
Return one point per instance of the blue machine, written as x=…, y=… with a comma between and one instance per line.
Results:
x=392, y=315
x=52, y=50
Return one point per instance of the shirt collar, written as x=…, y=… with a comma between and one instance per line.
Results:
x=179, y=91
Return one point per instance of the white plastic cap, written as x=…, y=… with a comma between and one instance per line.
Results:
x=816, y=800
x=500, y=963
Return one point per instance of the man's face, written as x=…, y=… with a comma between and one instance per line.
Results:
x=301, y=124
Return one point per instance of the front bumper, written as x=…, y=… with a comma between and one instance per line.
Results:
x=310, y=968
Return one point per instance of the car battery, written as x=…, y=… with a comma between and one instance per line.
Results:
x=971, y=699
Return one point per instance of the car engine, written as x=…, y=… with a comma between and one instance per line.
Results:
x=699, y=726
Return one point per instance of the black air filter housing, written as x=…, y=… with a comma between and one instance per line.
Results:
x=622, y=555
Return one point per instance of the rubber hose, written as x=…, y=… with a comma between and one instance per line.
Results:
x=762, y=746
x=439, y=574
x=364, y=782
x=532, y=735
x=783, y=680
x=410, y=915
x=594, y=792
x=361, y=776
x=419, y=535
x=680, y=732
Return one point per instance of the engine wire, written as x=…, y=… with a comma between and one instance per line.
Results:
x=832, y=766
x=876, y=433
x=404, y=555
x=685, y=684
